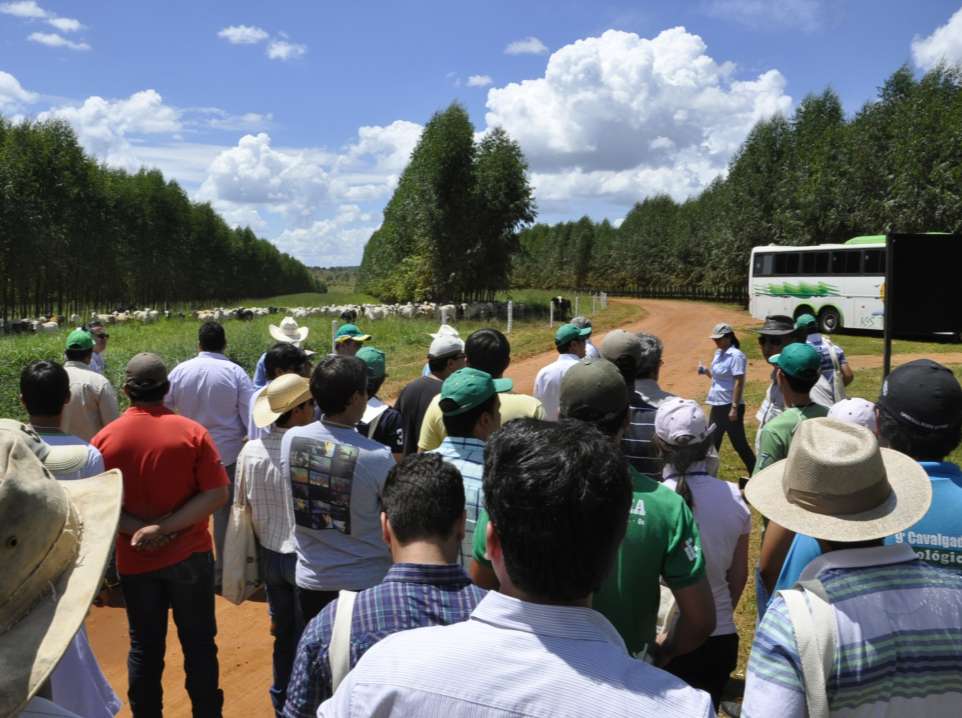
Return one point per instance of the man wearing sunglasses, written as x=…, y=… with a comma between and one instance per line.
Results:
x=777, y=332
x=100, y=335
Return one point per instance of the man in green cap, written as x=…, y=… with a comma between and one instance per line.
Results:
x=836, y=373
x=348, y=340
x=93, y=401
x=381, y=421
x=471, y=411
x=571, y=342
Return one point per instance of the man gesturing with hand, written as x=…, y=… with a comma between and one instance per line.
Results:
x=173, y=481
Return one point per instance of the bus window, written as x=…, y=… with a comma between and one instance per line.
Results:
x=762, y=266
x=815, y=263
x=846, y=262
x=786, y=263
x=874, y=261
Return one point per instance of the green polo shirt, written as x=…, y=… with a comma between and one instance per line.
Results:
x=661, y=542
x=777, y=434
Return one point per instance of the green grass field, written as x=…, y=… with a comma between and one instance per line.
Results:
x=404, y=340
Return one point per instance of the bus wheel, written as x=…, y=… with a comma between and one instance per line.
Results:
x=829, y=320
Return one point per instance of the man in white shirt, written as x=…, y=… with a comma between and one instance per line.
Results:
x=284, y=403
x=93, y=401
x=571, y=343
x=558, y=498
x=216, y=393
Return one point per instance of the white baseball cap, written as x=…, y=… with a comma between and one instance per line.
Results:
x=680, y=422
x=444, y=345
x=855, y=411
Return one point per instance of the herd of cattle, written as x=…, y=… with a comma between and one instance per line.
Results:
x=345, y=312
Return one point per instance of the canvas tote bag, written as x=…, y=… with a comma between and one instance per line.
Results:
x=241, y=577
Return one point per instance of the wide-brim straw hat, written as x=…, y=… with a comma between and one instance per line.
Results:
x=288, y=331
x=837, y=484
x=57, y=537
x=279, y=397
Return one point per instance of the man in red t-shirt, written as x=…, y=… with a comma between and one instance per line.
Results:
x=173, y=481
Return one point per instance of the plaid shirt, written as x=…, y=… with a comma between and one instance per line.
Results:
x=466, y=454
x=411, y=596
x=267, y=491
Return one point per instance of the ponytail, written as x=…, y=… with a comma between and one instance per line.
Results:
x=735, y=343
x=680, y=458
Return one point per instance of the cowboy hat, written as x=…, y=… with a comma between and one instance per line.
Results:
x=838, y=485
x=279, y=397
x=288, y=331
x=55, y=539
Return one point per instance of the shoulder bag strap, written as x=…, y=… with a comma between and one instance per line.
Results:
x=813, y=621
x=838, y=385
x=372, y=427
x=339, y=651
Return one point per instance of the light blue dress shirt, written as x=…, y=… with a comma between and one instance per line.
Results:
x=512, y=659
x=466, y=454
x=725, y=367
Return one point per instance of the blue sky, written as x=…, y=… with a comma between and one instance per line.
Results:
x=297, y=117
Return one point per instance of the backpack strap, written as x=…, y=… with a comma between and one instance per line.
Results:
x=372, y=427
x=339, y=651
x=813, y=621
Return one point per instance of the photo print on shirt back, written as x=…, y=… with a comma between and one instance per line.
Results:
x=322, y=473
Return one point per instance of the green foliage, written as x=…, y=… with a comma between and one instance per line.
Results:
x=76, y=235
x=457, y=210
x=815, y=178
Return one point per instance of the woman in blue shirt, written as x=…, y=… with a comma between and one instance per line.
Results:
x=727, y=374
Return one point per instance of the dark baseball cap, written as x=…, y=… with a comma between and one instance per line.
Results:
x=923, y=393
x=594, y=387
x=145, y=372
x=799, y=360
x=777, y=325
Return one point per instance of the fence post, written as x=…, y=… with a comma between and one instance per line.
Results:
x=333, y=333
x=444, y=315
x=551, y=314
x=510, y=316
x=592, y=303
x=577, y=305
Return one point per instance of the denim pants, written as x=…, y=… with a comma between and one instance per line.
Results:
x=277, y=571
x=187, y=588
x=221, y=518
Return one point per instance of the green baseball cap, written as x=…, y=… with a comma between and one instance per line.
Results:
x=567, y=332
x=468, y=388
x=801, y=361
x=374, y=360
x=80, y=339
x=805, y=320
x=350, y=331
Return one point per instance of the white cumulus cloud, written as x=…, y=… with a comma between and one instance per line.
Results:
x=243, y=34
x=618, y=117
x=479, y=80
x=943, y=45
x=65, y=24
x=284, y=50
x=52, y=39
x=25, y=8
x=526, y=46
x=12, y=94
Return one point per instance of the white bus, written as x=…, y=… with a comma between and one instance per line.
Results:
x=843, y=285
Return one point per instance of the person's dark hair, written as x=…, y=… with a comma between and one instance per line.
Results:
x=734, y=340
x=423, y=497
x=566, y=347
x=463, y=424
x=335, y=380
x=149, y=396
x=374, y=384
x=919, y=443
x=284, y=419
x=680, y=458
x=45, y=388
x=95, y=324
x=211, y=337
x=651, y=351
x=629, y=370
x=804, y=332
x=284, y=358
x=607, y=425
x=558, y=497
x=488, y=350
x=438, y=364
x=79, y=355
x=802, y=386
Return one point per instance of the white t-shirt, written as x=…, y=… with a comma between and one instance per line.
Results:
x=547, y=385
x=722, y=519
x=336, y=477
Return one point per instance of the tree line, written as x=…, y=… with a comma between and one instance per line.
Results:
x=76, y=234
x=451, y=226
x=814, y=178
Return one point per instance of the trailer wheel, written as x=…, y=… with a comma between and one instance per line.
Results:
x=829, y=320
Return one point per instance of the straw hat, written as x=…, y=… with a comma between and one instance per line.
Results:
x=55, y=538
x=838, y=485
x=279, y=397
x=288, y=331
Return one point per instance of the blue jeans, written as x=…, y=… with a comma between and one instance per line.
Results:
x=187, y=588
x=277, y=571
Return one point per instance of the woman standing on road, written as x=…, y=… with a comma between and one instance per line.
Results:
x=727, y=374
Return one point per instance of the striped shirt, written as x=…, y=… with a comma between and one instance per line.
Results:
x=899, y=652
x=637, y=443
x=512, y=659
x=268, y=491
x=466, y=454
x=412, y=595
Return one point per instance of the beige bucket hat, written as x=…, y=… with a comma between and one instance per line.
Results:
x=55, y=538
x=279, y=397
x=838, y=485
x=288, y=331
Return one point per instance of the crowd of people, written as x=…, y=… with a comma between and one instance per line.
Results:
x=473, y=551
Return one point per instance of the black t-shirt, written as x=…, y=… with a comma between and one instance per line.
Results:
x=413, y=402
x=389, y=430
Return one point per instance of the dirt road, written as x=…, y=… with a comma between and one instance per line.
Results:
x=243, y=637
